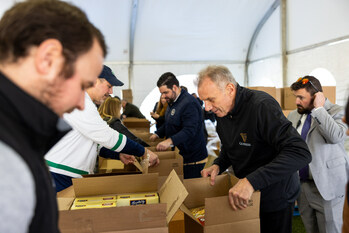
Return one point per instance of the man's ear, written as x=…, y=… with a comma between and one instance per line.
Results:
x=49, y=59
x=231, y=89
x=175, y=88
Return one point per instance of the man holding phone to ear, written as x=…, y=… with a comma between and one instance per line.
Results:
x=323, y=181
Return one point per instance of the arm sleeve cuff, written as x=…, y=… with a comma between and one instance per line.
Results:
x=133, y=148
x=110, y=154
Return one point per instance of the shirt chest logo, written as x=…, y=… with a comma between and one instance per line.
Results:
x=244, y=139
x=173, y=111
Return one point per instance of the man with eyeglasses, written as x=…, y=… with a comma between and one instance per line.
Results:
x=323, y=181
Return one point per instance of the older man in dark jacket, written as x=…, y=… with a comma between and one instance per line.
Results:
x=260, y=144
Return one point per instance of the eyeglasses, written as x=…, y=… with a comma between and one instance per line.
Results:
x=305, y=81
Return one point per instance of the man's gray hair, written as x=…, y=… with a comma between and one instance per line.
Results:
x=220, y=75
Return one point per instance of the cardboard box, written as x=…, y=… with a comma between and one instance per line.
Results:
x=112, y=166
x=270, y=90
x=133, y=122
x=140, y=130
x=143, y=135
x=286, y=112
x=153, y=148
x=149, y=230
x=219, y=216
x=109, y=165
x=169, y=160
x=115, y=219
x=280, y=96
x=290, y=99
x=127, y=95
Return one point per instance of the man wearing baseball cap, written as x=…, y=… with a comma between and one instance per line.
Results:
x=75, y=155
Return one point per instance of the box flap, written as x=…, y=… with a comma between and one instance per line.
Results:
x=64, y=203
x=166, y=166
x=219, y=211
x=113, y=219
x=200, y=188
x=149, y=230
x=68, y=192
x=239, y=227
x=166, y=154
x=188, y=213
x=115, y=184
x=173, y=193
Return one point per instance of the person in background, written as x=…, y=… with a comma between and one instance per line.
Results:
x=158, y=113
x=346, y=203
x=130, y=110
x=208, y=115
x=109, y=110
x=75, y=154
x=320, y=124
x=184, y=88
x=260, y=144
x=183, y=126
x=49, y=54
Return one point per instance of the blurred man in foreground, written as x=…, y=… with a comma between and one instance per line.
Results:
x=49, y=54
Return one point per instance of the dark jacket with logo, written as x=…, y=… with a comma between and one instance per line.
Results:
x=30, y=129
x=261, y=145
x=183, y=124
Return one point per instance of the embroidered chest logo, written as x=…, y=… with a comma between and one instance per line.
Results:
x=173, y=111
x=243, y=136
x=244, y=139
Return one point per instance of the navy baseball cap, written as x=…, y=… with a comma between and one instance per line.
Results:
x=108, y=75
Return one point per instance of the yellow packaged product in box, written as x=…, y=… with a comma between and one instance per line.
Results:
x=91, y=205
x=137, y=199
x=95, y=199
x=94, y=202
x=199, y=214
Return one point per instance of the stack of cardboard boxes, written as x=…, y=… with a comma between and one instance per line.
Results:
x=285, y=97
x=127, y=95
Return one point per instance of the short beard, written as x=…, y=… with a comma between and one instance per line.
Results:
x=303, y=110
x=172, y=100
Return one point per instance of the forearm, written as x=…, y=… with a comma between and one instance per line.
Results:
x=332, y=128
x=133, y=148
x=106, y=153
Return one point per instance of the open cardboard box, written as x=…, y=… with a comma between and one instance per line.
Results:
x=168, y=160
x=113, y=166
x=141, y=218
x=140, y=124
x=153, y=148
x=219, y=216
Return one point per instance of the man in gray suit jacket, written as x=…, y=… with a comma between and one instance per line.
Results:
x=322, y=182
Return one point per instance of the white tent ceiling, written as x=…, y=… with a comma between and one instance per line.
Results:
x=178, y=30
x=149, y=37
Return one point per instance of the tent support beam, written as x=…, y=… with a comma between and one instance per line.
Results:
x=283, y=15
x=132, y=39
x=254, y=37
